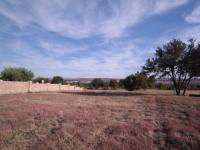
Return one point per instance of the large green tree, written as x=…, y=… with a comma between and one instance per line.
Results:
x=177, y=60
x=16, y=74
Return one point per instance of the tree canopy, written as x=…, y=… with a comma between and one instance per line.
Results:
x=97, y=83
x=57, y=79
x=16, y=74
x=113, y=84
x=136, y=81
x=177, y=60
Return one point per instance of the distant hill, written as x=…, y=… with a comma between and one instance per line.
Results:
x=86, y=80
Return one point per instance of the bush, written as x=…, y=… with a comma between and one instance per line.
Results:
x=121, y=83
x=97, y=83
x=194, y=86
x=39, y=80
x=85, y=85
x=113, y=84
x=16, y=74
x=162, y=86
x=151, y=82
x=57, y=79
x=137, y=81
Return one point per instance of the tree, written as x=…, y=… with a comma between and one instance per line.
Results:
x=150, y=81
x=137, y=81
x=57, y=79
x=178, y=61
x=121, y=83
x=40, y=79
x=97, y=83
x=113, y=84
x=16, y=74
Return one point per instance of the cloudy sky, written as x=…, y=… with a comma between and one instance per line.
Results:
x=91, y=38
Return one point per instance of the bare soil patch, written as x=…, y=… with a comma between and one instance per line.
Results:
x=99, y=120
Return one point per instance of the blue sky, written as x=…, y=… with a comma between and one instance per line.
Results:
x=91, y=38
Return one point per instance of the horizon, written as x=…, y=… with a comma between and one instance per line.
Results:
x=91, y=39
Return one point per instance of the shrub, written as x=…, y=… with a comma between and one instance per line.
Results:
x=57, y=79
x=151, y=82
x=97, y=83
x=85, y=85
x=194, y=86
x=162, y=86
x=121, y=83
x=137, y=81
x=113, y=84
x=16, y=74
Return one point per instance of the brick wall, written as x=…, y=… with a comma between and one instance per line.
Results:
x=38, y=87
x=9, y=87
x=53, y=87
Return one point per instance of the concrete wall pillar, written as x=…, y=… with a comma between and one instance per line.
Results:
x=47, y=87
x=29, y=86
x=59, y=87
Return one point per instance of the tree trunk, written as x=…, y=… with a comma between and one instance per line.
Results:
x=186, y=86
x=184, y=91
x=176, y=87
x=178, y=92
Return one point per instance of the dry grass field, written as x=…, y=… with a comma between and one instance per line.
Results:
x=108, y=120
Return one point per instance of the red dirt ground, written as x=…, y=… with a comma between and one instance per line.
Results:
x=99, y=120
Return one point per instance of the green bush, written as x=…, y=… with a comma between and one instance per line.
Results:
x=97, y=83
x=121, y=83
x=137, y=81
x=113, y=84
x=57, y=79
x=194, y=86
x=16, y=74
x=162, y=86
x=85, y=85
x=151, y=82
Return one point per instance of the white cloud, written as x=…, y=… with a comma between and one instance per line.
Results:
x=84, y=18
x=164, y=5
x=191, y=32
x=56, y=49
x=26, y=55
x=194, y=17
x=119, y=60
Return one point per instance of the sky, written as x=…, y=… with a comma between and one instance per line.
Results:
x=91, y=38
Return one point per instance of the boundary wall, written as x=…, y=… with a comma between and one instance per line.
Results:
x=9, y=87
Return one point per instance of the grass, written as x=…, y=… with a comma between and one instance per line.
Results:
x=99, y=120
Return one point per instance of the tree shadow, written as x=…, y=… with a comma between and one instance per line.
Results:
x=104, y=93
x=194, y=95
